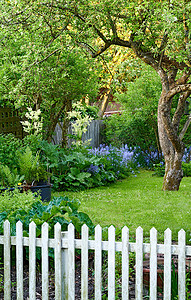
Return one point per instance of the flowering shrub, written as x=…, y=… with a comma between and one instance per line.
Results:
x=80, y=122
x=128, y=157
x=33, y=124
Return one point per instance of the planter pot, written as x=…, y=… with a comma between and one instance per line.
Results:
x=44, y=190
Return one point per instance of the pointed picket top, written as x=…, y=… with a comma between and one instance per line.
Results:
x=6, y=222
x=168, y=231
x=111, y=228
x=32, y=225
x=45, y=225
x=139, y=230
x=98, y=228
x=85, y=228
x=167, y=236
x=57, y=226
x=70, y=227
x=19, y=224
x=153, y=229
x=125, y=231
x=19, y=228
x=181, y=232
x=125, y=228
x=6, y=226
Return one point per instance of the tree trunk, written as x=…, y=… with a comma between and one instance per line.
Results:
x=173, y=155
x=66, y=123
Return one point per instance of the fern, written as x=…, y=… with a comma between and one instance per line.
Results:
x=30, y=166
x=9, y=178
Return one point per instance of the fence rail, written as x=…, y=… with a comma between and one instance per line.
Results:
x=65, y=243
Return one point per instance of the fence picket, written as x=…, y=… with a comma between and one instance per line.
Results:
x=7, y=261
x=139, y=264
x=64, y=255
x=125, y=263
x=32, y=261
x=19, y=259
x=44, y=235
x=84, y=263
x=181, y=265
x=98, y=262
x=167, y=264
x=71, y=263
x=57, y=261
x=111, y=263
x=153, y=264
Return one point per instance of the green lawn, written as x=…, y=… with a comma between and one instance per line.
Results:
x=138, y=201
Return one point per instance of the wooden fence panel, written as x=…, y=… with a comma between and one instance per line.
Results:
x=64, y=249
x=93, y=133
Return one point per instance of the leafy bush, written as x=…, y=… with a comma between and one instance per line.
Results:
x=74, y=168
x=60, y=209
x=159, y=169
x=14, y=200
x=186, y=169
x=9, y=144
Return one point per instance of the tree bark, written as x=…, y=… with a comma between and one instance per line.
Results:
x=173, y=152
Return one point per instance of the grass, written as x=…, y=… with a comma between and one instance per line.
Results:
x=138, y=201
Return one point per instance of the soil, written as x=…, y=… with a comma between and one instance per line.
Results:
x=77, y=283
x=52, y=286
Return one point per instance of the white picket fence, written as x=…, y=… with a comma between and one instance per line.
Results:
x=64, y=245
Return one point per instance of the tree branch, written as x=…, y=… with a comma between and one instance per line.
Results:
x=178, y=89
x=186, y=125
x=38, y=62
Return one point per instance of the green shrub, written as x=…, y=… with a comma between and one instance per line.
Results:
x=9, y=144
x=71, y=168
x=11, y=201
x=60, y=209
x=186, y=169
x=159, y=169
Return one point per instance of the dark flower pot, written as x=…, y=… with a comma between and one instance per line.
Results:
x=43, y=189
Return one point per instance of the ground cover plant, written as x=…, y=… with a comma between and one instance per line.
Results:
x=59, y=209
x=139, y=201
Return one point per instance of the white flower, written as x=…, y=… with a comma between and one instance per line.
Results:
x=34, y=123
